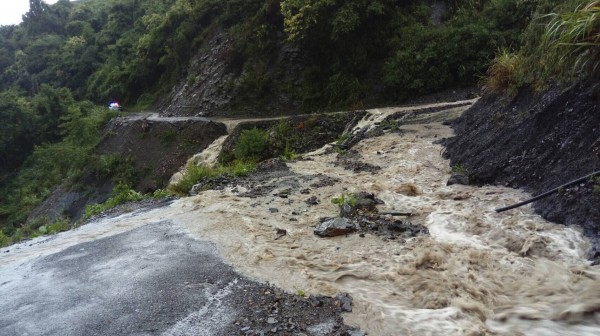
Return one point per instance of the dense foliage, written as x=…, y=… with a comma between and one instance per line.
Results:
x=52, y=163
x=136, y=50
x=562, y=43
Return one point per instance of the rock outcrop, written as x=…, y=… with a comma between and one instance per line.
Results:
x=537, y=142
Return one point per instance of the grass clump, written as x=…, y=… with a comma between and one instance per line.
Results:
x=350, y=199
x=342, y=138
x=194, y=174
x=59, y=225
x=459, y=169
x=162, y=193
x=561, y=44
x=573, y=40
x=289, y=153
x=502, y=76
x=252, y=145
x=122, y=193
x=596, y=185
x=4, y=239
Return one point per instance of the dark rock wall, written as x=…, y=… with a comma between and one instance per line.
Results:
x=537, y=142
x=218, y=83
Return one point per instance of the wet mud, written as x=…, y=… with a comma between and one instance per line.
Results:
x=477, y=272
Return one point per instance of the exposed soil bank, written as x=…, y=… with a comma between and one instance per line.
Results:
x=158, y=147
x=537, y=142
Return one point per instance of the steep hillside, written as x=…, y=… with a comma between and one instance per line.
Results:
x=539, y=125
x=537, y=142
x=290, y=56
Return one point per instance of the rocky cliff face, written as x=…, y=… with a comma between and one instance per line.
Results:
x=537, y=142
x=220, y=81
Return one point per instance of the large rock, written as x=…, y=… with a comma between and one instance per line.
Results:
x=335, y=227
x=458, y=178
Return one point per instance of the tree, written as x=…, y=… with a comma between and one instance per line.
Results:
x=16, y=128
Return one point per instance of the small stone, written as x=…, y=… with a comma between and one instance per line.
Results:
x=245, y=329
x=312, y=200
x=355, y=332
x=271, y=320
x=345, y=302
x=273, y=210
x=280, y=233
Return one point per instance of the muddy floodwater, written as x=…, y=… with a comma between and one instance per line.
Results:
x=477, y=273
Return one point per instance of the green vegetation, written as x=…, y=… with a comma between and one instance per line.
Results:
x=342, y=138
x=252, y=145
x=390, y=124
x=573, y=40
x=459, y=169
x=59, y=225
x=35, y=228
x=350, y=199
x=562, y=43
x=136, y=50
x=194, y=174
x=596, y=184
x=286, y=138
x=51, y=164
x=168, y=137
x=122, y=193
x=502, y=76
x=289, y=154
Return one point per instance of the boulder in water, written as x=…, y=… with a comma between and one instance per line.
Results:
x=332, y=227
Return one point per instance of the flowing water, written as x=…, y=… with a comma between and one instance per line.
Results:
x=478, y=273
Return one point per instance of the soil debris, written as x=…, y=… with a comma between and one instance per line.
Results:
x=353, y=161
x=267, y=310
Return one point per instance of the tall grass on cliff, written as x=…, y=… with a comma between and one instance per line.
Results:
x=561, y=44
x=502, y=76
x=572, y=40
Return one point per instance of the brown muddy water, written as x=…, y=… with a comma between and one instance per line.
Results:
x=478, y=273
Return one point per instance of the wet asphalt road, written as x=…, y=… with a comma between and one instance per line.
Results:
x=153, y=280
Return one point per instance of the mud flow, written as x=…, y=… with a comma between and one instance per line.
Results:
x=476, y=273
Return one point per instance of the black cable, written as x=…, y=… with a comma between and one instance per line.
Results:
x=538, y=197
